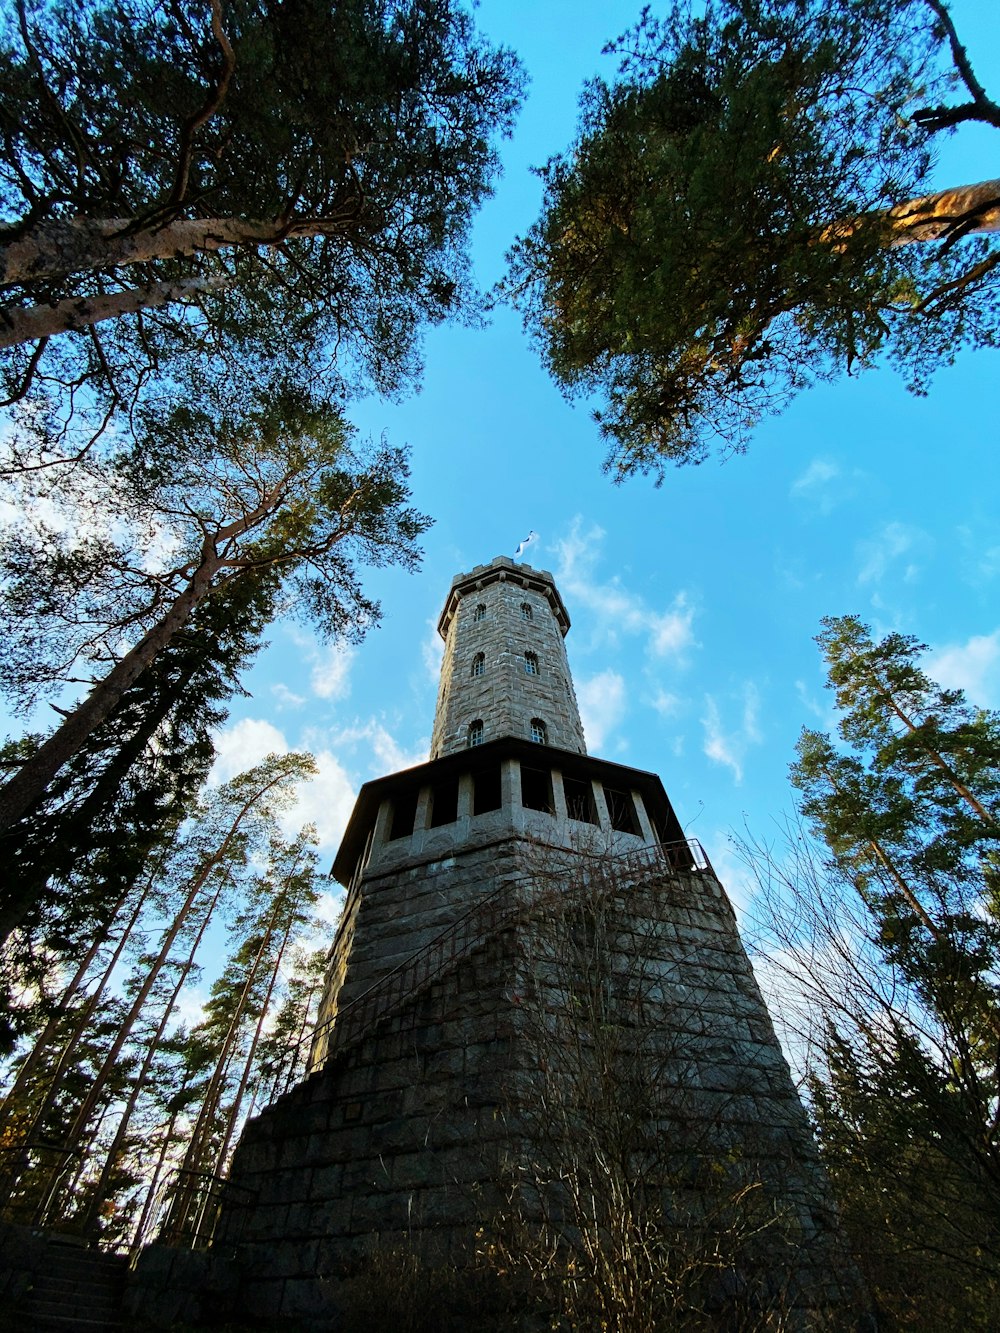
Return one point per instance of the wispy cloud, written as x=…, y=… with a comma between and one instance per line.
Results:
x=818, y=474
x=896, y=547
x=602, y=707
x=824, y=485
x=616, y=609
x=285, y=697
x=728, y=745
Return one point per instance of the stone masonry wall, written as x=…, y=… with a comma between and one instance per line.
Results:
x=504, y=697
x=398, y=1140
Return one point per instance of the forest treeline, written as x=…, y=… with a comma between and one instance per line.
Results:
x=120, y=1113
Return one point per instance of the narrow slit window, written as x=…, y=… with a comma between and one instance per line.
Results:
x=526, y=611
x=479, y=664
x=536, y=789
x=404, y=812
x=486, y=790
x=539, y=731
x=621, y=809
x=475, y=736
x=580, y=804
x=479, y=613
x=530, y=664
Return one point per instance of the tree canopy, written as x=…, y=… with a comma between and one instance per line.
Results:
x=894, y=932
x=735, y=219
x=185, y=178
x=236, y=494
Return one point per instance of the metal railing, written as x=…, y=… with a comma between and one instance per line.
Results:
x=511, y=902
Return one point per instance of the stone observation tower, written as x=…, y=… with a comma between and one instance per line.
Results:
x=528, y=944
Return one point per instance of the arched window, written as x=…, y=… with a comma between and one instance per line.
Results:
x=479, y=613
x=475, y=732
x=539, y=732
x=526, y=612
x=479, y=664
x=530, y=664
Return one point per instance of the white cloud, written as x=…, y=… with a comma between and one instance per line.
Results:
x=329, y=678
x=729, y=747
x=431, y=651
x=285, y=697
x=665, y=703
x=617, y=610
x=190, y=1007
x=973, y=666
x=602, y=706
x=326, y=800
x=808, y=701
x=382, y=744
x=887, y=549
x=244, y=744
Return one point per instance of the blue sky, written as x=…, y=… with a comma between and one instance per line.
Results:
x=694, y=606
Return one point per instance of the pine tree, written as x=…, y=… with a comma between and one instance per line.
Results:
x=749, y=208
x=888, y=928
x=177, y=183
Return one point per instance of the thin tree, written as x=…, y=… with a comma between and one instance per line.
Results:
x=230, y=827
x=879, y=929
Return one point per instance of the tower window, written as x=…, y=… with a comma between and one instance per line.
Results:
x=487, y=793
x=526, y=612
x=444, y=802
x=580, y=800
x=475, y=732
x=530, y=664
x=621, y=809
x=479, y=664
x=404, y=811
x=536, y=789
x=479, y=613
x=539, y=732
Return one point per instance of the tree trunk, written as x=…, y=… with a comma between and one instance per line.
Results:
x=188, y=1200
x=26, y=1072
x=19, y=324
x=28, y=784
x=89, y=1009
x=964, y=209
x=139, y=1082
x=82, y=245
x=139, y=1237
x=935, y=755
x=934, y=217
x=234, y=1110
x=198, y=882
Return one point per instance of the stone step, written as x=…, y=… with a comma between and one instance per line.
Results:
x=82, y=1291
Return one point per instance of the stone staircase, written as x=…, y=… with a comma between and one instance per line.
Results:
x=82, y=1290
x=473, y=930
